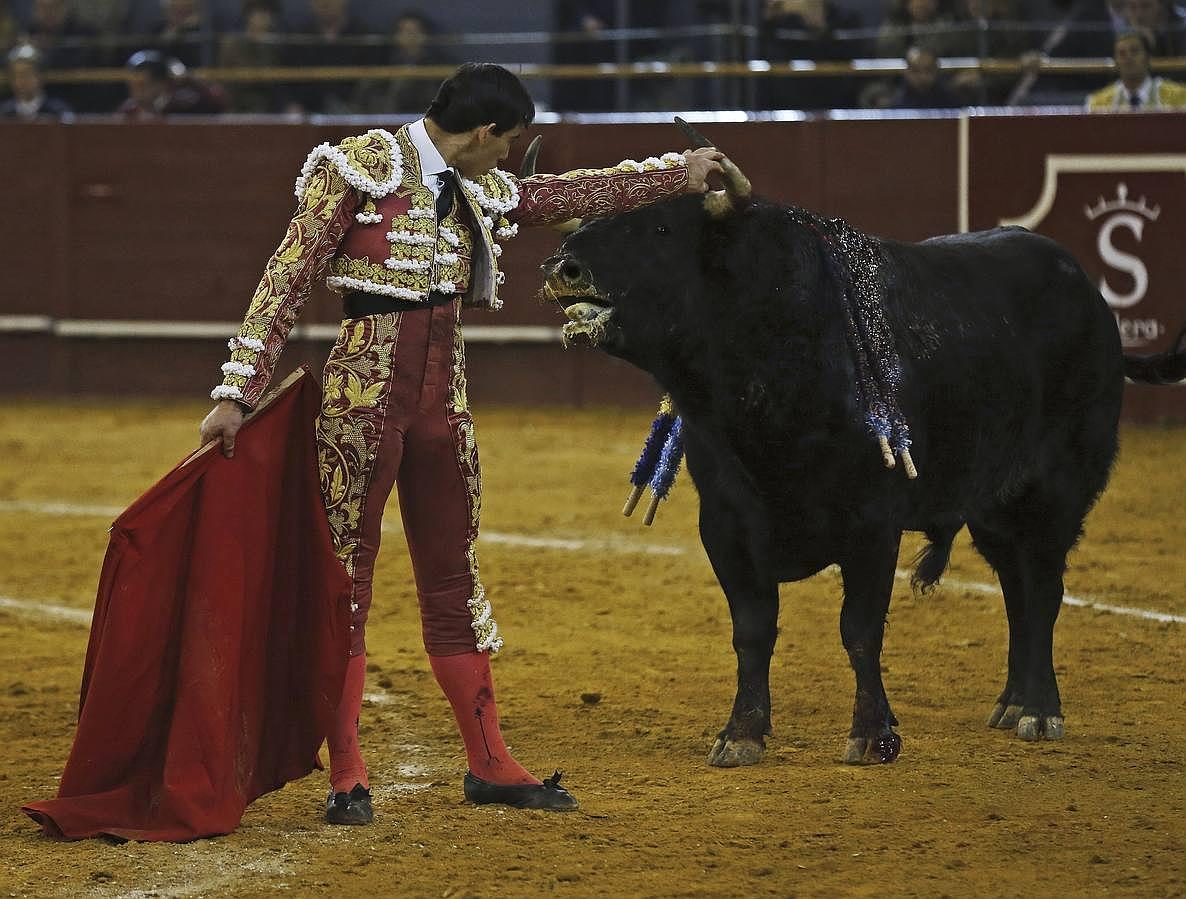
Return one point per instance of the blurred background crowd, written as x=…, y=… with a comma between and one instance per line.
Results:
x=142, y=59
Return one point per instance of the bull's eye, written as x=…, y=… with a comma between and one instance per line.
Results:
x=660, y=229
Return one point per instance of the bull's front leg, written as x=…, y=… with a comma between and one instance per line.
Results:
x=868, y=574
x=753, y=603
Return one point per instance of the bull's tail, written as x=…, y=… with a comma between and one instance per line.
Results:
x=932, y=561
x=1159, y=368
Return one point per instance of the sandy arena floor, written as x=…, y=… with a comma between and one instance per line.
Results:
x=593, y=603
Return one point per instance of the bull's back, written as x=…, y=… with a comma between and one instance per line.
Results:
x=1013, y=359
x=1006, y=294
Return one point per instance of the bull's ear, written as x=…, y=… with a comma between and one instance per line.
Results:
x=717, y=204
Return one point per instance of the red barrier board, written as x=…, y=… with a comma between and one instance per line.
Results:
x=1112, y=189
x=172, y=223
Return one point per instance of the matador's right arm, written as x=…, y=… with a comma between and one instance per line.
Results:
x=325, y=209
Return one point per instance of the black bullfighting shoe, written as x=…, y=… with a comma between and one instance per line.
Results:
x=549, y=795
x=349, y=808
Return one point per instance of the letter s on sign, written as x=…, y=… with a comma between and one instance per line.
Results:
x=1125, y=262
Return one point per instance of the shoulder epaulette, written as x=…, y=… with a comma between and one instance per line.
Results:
x=371, y=163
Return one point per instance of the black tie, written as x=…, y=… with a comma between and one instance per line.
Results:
x=448, y=190
x=1134, y=100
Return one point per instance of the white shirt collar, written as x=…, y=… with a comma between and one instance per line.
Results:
x=432, y=163
x=1144, y=91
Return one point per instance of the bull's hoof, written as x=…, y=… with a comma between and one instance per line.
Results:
x=1004, y=717
x=735, y=753
x=1032, y=728
x=879, y=750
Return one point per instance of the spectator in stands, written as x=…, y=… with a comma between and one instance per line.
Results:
x=107, y=17
x=61, y=38
x=329, y=38
x=258, y=46
x=1162, y=23
x=917, y=22
x=29, y=102
x=657, y=17
x=805, y=29
x=593, y=19
x=986, y=30
x=1137, y=89
x=1087, y=29
x=158, y=86
x=988, y=33
x=412, y=44
x=590, y=18
x=181, y=33
x=922, y=86
x=65, y=43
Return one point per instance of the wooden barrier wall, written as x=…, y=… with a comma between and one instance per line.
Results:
x=171, y=223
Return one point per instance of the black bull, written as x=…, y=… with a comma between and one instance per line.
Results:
x=1011, y=376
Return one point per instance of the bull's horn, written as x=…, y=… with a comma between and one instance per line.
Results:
x=527, y=168
x=720, y=203
x=567, y=226
x=737, y=187
x=736, y=184
x=695, y=138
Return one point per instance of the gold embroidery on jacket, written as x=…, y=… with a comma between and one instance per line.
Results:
x=368, y=155
x=421, y=257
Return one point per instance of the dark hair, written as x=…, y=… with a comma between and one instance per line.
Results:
x=1138, y=35
x=150, y=62
x=478, y=93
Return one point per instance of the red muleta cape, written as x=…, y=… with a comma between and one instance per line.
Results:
x=219, y=641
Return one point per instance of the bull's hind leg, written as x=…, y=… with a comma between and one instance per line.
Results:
x=868, y=574
x=1030, y=557
x=1002, y=554
x=752, y=593
x=1041, y=712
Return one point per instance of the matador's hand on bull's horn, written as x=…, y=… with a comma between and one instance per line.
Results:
x=702, y=163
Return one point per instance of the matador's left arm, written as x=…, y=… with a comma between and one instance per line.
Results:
x=583, y=193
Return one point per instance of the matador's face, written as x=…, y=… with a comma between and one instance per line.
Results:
x=486, y=150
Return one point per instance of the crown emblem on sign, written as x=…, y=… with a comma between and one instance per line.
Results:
x=1122, y=202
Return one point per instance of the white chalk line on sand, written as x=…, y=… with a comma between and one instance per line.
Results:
x=529, y=541
x=45, y=610
x=575, y=544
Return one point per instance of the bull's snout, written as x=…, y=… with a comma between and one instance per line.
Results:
x=567, y=276
x=570, y=284
x=571, y=272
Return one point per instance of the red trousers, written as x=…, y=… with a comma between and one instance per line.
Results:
x=395, y=414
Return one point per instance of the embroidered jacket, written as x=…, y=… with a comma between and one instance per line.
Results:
x=1155, y=93
x=365, y=218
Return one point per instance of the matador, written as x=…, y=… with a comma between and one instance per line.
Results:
x=409, y=228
